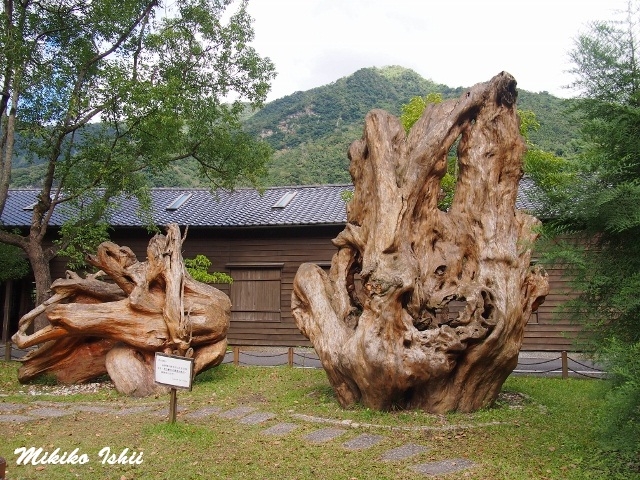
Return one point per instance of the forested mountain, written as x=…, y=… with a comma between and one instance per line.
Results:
x=311, y=131
x=559, y=126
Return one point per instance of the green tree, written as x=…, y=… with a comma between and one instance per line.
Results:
x=551, y=174
x=603, y=207
x=411, y=113
x=546, y=169
x=198, y=268
x=107, y=91
x=12, y=264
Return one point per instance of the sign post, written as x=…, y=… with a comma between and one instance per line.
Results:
x=175, y=372
x=173, y=405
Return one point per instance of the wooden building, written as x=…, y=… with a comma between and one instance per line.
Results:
x=260, y=240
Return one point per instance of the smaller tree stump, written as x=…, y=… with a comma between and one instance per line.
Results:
x=99, y=327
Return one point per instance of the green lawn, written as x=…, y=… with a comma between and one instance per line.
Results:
x=541, y=428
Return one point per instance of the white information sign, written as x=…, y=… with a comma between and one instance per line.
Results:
x=173, y=371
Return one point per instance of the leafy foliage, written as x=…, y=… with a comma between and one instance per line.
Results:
x=198, y=268
x=311, y=131
x=13, y=265
x=412, y=111
x=112, y=93
x=558, y=126
x=621, y=425
x=82, y=242
x=346, y=195
x=601, y=206
x=551, y=175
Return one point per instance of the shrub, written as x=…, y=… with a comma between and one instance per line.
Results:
x=198, y=268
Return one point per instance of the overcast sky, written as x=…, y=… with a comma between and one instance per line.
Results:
x=454, y=42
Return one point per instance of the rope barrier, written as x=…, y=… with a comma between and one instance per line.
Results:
x=552, y=370
x=540, y=363
x=263, y=355
x=586, y=366
x=304, y=359
x=312, y=357
x=308, y=359
x=11, y=353
x=582, y=374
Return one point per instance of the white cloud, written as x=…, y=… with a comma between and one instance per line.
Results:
x=455, y=42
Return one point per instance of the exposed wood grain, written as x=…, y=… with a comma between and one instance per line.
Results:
x=388, y=345
x=154, y=306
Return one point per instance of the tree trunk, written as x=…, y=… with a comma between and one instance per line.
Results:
x=39, y=259
x=42, y=275
x=116, y=328
x=390, y=343
x=8, y=133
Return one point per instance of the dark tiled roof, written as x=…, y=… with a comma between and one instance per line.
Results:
x=242, y=207
x=528, y=197
x=311, y=205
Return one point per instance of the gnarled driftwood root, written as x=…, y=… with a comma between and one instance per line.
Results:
x=96, y=327
x=437, y=319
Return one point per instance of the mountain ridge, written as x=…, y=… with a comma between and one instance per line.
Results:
x=310, y=131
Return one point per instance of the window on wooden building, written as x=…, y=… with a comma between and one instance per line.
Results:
x=255, y=292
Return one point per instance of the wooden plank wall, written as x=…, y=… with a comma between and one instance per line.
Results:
x=224, y=247
x=548, y=329
x=285, y=246
x=292, y=246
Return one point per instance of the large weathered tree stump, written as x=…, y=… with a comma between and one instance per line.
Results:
x=115, y=327
x=388, y=341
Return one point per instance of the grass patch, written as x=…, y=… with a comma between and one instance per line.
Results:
x=540, y=428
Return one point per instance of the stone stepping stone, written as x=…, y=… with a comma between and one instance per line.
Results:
x=366, y=440
x=133, y=410
x=48, y=412
x=93, y=409
x=402, y=452
x=203, y=412
x=237, y=412
x=256, y=418
x=165, y=411
x=46, y=403
x=9, y=407
x=324, y=435
x=280, y=429
x=443, y=467
x=16, y=418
